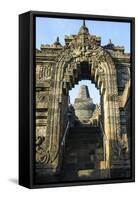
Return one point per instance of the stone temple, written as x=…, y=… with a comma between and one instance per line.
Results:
x=86, y=111
x=82, y=141
x=83, y=105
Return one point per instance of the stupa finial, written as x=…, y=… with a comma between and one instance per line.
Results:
x=57, y=39
x=83, y=22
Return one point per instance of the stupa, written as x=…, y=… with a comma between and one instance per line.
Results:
x=84, y=105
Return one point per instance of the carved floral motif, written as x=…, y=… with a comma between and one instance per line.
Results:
x=42, y=156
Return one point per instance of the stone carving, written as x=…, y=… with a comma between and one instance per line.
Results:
x=105, y=72
x=42, y=97
x=41, y=155
x=123, y=77
x=112, y=97
x=45, y=72
x=44, y=155
x=40, y=130
x=100, y=70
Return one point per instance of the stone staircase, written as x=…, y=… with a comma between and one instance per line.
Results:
x=83, y=134
x=79, y=160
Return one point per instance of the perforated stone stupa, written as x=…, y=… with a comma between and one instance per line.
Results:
x=84, y=105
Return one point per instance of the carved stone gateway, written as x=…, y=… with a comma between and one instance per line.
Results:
x=58, y=69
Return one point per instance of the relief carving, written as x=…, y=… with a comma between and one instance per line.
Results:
x=45, y=72
x=100, y=70
x=41, y=97
x=42, y=156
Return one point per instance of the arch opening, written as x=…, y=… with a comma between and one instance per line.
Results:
x=84, y=149
x=84, y=104
x=100, y=71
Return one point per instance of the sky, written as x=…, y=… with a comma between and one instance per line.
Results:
x=48, y=29
x=94, y=93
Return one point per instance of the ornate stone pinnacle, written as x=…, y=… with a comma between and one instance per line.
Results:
x=84, y=92
x=110, y=41
x=83, y=22
x=57, y=39
x=83, y=29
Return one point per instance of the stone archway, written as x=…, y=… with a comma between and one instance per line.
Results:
x=83, y=49
x=103, y=74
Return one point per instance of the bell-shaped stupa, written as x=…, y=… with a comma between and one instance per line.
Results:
x=83, y=105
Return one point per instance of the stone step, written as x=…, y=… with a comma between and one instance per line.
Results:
x=84, y=130
x=84, y=134
x=79, y=160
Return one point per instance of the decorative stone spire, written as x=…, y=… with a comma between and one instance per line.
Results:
x=57, y=42
x=110, y=41
x=84, y=92
x=83, y=22
x=83, y=104
x=57, y=39
x=110, y=45
x=83, y=29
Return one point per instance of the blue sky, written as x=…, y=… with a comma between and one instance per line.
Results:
x=94, y=93
x=47, y=30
